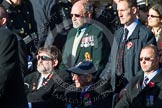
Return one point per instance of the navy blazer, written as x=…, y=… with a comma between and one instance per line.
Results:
x=136, y=97
x=140, y=37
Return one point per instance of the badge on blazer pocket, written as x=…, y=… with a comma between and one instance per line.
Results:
x=87, y=56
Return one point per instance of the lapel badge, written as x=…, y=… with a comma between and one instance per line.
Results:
x=87, y=56
x=87, y=100
x=129, y=45
x=34, y=86
x=160, y=44
x=151, y=84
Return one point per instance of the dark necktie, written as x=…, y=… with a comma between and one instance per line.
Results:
x=120, y=62
x=120, y=54
x=78, y=32
x=44, y=81
x=145, y=82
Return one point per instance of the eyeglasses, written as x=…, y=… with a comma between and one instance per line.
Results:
x=72, y=74
x=146, y=58
x=76, y=15
x=153, y=16
x=77, y=75
x=44, y=58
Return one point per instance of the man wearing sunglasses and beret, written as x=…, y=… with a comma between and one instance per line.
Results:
x=145, y=90
x=85, y=41
x=45, y=82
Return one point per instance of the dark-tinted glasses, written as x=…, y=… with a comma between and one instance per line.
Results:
x=72, y=74
x=146, y=58
x=76, y=15
x=153, y=16
x=45, y=58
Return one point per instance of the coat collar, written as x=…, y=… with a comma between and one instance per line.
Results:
x=139, y=83
x=135, y=34
x=157, y=78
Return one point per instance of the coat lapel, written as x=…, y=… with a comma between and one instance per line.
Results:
x=154, y=82
x=35, y=81
x=71, y=40
x=140, y=82
x=119, y=35
x=157, y=79
x=79, y=47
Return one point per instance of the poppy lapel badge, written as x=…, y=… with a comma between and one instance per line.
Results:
x=87, y=100
x=151, y=84
x=129, y=45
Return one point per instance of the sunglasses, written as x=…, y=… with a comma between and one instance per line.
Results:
x=76, y=15
x=153, y=16
x=77, y=75
x=146, y=58
x=44, y=58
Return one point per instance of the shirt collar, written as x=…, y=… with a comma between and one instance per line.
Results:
x=150, y=76
x=131, y=27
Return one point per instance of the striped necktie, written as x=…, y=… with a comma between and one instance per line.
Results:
x=145, y=82
x=120, y=54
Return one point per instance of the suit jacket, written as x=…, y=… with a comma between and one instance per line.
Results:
x=12, y=93
x=98, y=47
x=140, y=37
x=22, y=55
x=136, y=97
x=46, y=96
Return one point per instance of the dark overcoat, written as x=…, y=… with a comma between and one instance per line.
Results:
x=140, y=37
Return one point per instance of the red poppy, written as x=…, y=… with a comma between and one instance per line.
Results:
x=129, y=45
x=151, y=84
x=160, y=44
x=87, y=95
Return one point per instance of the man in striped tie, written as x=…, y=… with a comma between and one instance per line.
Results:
x=145, y=81
x=145, y=90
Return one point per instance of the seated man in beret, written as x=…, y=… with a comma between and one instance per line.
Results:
x=84, y=92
